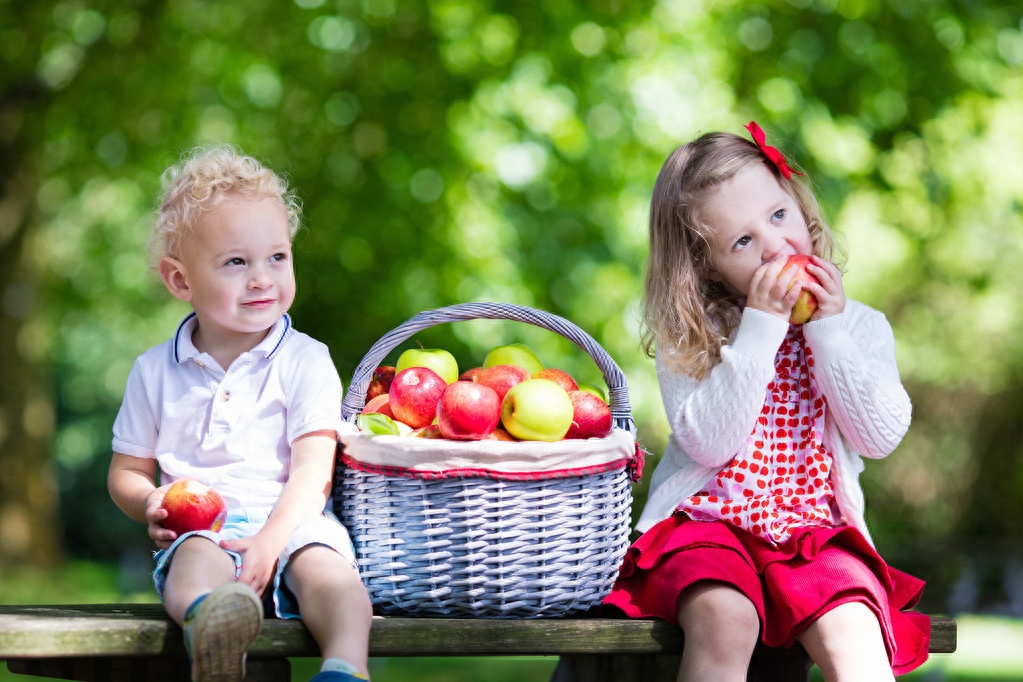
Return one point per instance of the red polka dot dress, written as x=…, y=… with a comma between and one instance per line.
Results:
x=780, y=479
x=768, y=525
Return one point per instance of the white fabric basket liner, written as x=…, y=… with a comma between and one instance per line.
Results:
x=431, y=458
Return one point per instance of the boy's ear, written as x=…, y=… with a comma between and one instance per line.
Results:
x=175, y=278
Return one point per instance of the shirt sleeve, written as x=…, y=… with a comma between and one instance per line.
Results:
x=854, y=365
x=712, y=417
x=314, y=395
x=135, y=428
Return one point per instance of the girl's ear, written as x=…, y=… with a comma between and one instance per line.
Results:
x=175, y=278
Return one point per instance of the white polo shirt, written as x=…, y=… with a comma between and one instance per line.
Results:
x=231, y=429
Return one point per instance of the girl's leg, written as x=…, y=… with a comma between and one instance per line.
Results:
x=847, y=645
x=198, y=566
x=334, y=604
x=721, y=629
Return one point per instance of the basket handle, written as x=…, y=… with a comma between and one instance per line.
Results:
x=618, y=390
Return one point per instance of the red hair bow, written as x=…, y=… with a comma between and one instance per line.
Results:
x=770, y=152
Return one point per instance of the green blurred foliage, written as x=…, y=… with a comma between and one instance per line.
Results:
x=453, y=151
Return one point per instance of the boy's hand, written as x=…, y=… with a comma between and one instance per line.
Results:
x=258, y=563
x=155, y=514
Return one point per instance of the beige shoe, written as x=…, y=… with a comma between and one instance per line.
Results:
x=218, y=637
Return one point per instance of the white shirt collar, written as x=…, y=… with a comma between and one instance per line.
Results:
x=185, y=350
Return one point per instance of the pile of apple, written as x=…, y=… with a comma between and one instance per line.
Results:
x=511, y=396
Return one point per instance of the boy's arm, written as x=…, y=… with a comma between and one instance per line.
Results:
x=132, y=486
x=304, y=497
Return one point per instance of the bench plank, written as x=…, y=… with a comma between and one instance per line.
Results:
x=66, y=640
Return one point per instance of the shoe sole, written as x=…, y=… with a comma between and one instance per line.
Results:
x=227, y=623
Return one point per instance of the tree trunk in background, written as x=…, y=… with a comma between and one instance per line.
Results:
x=29, y=526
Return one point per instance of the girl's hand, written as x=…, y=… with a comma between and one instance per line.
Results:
x=770, y=293
x=155, y=514
x=257, y=562
x=830, y=293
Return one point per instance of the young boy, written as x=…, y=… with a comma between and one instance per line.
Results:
x=248, y=405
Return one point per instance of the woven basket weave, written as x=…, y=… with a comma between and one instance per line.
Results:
x=486, y=545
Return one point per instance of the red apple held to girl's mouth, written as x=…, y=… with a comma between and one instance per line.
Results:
x=192, y=505
x=806, y=304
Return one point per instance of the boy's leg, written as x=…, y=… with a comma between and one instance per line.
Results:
x=220, y=618
x=197, y=567
x=334, y=604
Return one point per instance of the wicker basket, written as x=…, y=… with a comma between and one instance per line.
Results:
x=473, y=541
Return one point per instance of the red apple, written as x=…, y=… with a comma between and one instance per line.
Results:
x=192, y=505
x=591, y=416
x=806, y=304
x=501, y=378
x=380, y=383
x=468, y=411
x=431, y=431
x=501, y=434
x=558, y=376
x=381, y=404
x=414, y=394
x=470, y=374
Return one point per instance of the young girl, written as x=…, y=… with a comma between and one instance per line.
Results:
x=240, y=400
x=754, y=528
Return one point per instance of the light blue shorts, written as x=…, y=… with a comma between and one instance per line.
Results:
x=323, y=530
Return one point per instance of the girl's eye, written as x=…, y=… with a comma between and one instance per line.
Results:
x=779, y=214
x=742, y=241
x=235, y=261
x=279, y=257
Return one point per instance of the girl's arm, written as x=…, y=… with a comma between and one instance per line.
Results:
x=712, y=418
x=854, y=365
x=304, y=497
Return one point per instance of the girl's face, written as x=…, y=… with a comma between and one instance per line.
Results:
x=237, y=268
x=753, y=221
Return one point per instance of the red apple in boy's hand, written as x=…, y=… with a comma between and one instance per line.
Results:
x=192, y=505
x=591, y=416
x=806, y=304
x=380, y=382
x=414, y=394
x=468, y=411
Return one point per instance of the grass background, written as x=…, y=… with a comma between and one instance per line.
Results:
x=990, y=648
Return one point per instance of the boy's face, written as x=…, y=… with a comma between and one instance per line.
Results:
x=753, y=221
x=236, y=271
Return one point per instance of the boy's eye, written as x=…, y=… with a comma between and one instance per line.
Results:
x=278, y=257
x=235, y=261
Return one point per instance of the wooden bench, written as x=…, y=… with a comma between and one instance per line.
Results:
x=130, y=642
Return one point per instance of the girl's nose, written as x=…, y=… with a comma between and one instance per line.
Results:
x=259, y=278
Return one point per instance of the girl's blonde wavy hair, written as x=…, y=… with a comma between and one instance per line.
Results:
x=197, y=184
x=686, y=316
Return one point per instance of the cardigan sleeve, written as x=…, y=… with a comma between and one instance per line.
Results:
x=854, y=365
x=711, y=418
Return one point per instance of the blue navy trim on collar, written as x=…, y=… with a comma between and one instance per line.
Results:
x=284, y=335
x=177, y=334
x=273, y=351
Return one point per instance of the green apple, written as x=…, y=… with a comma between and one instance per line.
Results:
x=595, y=390
x=537, y=409
x=514, y=354
x=439, y=360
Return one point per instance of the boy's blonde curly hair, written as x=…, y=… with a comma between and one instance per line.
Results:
x=196, y=185
x=687, y=316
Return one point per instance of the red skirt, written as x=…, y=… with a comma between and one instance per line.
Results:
x=791, y=585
